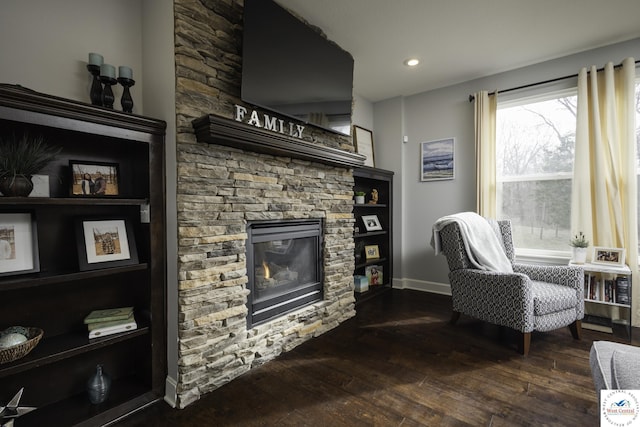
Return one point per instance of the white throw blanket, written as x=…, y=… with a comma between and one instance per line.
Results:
x=480, y=240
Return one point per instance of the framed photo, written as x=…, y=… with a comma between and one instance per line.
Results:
x=437, y=160
x=94, y=179
x=18, y=244
x=372, y=251
x=609, y=256
x=104, y=243
x=371, y=222
x=375, y=274
x=363, y=140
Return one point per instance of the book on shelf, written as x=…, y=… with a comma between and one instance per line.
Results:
x=109, y=314
x=608, y=290
x=622, y=290
x=105, y=322
x=97, y=332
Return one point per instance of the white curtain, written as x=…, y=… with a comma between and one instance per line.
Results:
x=485, y=144
x=604, y=195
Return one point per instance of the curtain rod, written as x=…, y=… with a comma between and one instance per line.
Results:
x=557, y=79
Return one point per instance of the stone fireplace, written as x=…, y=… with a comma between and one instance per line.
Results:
x=236, y=182
x=230, y=176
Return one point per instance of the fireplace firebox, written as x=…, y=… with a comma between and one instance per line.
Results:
x=284, y=266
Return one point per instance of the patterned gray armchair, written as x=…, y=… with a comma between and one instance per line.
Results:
x=533, y=298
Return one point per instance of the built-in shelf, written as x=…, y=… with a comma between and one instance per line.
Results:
x=365, y=180
x=57, y=296
x=51, y=350
x=45, y=279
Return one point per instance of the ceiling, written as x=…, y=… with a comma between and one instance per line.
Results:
x=461, y=40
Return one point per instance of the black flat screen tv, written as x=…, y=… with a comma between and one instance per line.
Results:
x=290, y=68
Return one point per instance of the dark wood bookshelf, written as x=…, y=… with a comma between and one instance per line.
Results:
x=58, y=295
x=366, y=179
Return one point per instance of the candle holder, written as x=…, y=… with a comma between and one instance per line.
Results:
x=107, y=92
x=96, y=87
x=126, y=101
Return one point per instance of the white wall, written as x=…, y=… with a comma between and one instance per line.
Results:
x=446, y=113
x=159, y=72
x=45, y=44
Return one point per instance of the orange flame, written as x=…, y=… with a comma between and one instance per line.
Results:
x=267, y=274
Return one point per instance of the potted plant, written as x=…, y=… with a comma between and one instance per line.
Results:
x=359, y=197
x=579, y=243
x=20, y=158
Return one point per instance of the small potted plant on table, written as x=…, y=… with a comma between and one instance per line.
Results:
x=359, y=197
x=579, y=243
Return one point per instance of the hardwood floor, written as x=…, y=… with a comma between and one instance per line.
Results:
x=400, y=363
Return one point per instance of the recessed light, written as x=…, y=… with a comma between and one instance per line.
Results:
x=411, y=62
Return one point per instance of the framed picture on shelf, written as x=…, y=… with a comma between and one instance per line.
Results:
x=18, y=244
x=104, y=243
x=608, y=256
x=371, y=222
x=374, y=274
x=363, y=140
x=94, y=179
x=437, y=160
x=372, y=251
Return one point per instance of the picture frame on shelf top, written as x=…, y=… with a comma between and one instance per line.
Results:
x=363, y=141
x=85, y=176
x=608, y=256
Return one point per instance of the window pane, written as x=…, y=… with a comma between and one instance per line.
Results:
x=535, y=146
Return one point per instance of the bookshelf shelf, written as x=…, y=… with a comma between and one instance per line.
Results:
x=607, y=298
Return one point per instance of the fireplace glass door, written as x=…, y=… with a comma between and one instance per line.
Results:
x=284, y=267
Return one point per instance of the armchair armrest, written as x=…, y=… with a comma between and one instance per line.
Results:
x=566, y=275
x=499, y=298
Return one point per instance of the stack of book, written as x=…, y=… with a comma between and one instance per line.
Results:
x=101, y=323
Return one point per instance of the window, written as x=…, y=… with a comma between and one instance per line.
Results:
x=535, y=140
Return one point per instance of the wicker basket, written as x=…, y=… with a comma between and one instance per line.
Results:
x=18, y=351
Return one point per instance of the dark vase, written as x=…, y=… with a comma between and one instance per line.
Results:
x=98, y=386
x=16, y=186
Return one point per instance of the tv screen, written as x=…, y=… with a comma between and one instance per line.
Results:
x=290, y=68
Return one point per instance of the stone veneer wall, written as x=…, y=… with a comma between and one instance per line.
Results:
x=219, y=190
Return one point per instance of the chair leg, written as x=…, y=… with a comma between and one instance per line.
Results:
x=454, y=317
x=525, y=343
x=576, y=329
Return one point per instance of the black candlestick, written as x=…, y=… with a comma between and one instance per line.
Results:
x=107, y=92
x=96, y=86
x=126, y=101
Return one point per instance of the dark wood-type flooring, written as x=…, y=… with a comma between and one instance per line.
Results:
x=400, y=363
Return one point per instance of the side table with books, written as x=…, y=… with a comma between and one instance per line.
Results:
x=607, y=298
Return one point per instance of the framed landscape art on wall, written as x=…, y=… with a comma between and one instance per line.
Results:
x=437, y=160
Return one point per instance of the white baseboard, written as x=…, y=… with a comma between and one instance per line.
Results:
x=171, y=391
x=422, y=285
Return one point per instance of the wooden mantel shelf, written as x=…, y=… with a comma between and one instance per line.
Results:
x=214, y=129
